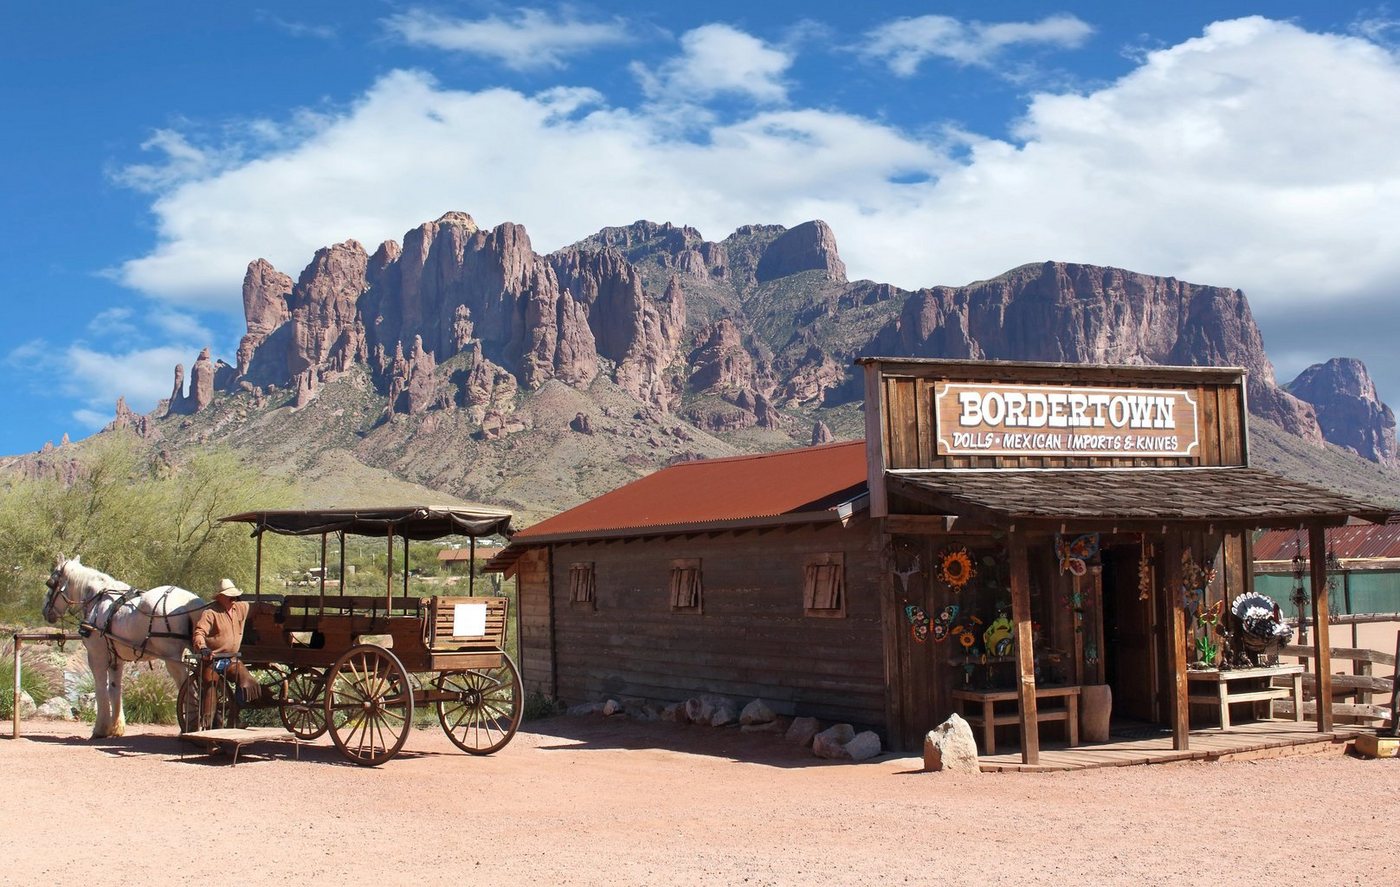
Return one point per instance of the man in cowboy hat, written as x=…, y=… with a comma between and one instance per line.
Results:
x=217, y=636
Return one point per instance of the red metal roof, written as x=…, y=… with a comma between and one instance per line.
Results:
x=1352, y=542
x=715, y=491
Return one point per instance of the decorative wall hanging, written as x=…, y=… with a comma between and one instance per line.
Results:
x=1075, y=554
x=1145, y=571
x=955, y=567
x=944, y=622
x=918, y=621
x=997, y=638
x=905, y=574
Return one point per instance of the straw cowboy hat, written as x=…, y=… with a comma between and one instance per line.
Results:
x=228, y=589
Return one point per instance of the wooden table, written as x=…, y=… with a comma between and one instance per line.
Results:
x=1246, y=685
x=989, y=719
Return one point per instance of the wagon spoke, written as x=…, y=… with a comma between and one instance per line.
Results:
x=485, y=710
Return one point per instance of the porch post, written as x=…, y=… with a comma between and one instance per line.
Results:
x=1322, y=653
x=1025, y=655
x=1176, y=624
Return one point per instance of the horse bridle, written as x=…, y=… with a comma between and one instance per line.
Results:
x=56, y=588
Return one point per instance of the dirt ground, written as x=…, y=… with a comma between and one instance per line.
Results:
x=588, y=801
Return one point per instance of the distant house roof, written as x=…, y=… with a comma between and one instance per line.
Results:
x=1356, y=545
x=459, y=555
x=801, y=485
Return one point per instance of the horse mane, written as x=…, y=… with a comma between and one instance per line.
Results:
x=90, y=578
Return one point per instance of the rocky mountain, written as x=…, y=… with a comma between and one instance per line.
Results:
x=464, y=361
x=1349, y=411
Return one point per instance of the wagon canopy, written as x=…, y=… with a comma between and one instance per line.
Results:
x=407, y=521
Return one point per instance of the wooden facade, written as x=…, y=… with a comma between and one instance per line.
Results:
x=752, y=636
x=1157, y=494
x=954, y=528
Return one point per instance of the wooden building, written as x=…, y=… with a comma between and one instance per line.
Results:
x=1010, y=534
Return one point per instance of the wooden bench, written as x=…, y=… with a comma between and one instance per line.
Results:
x=237, y=737
x=1246, y=685
x=988, y=719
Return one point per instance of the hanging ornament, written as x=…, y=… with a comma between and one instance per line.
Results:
x=955, y=567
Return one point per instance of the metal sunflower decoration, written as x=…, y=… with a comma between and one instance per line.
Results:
x=955, y=567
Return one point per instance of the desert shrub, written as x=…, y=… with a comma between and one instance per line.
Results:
x=138, y=518
x=538, y=706
x=39, y=676
x=149, y=697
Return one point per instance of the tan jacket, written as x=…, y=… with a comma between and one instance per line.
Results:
x=220, y=632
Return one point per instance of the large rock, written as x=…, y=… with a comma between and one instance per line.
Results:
x=724, y=715
x=57, y=708
x=802, y=730
x=1349, y=410
x=810, y=246
x=757, y=712
x=26, y=705
x=951, y=747
x=831, y=742
x=864, y=745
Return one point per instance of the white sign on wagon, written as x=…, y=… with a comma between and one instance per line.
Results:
x=468, y=620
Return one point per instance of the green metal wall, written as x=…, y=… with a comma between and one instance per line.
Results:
x=1370, y=592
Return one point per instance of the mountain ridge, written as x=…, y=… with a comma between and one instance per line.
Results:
x=464, y=361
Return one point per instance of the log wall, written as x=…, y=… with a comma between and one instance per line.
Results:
x=751, y=640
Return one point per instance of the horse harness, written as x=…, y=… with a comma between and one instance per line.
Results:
x=120, y=598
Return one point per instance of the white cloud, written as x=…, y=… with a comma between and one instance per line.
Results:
x=717, y=60
x=95, y=378
x=906, y=43
x=533, y=39
x=1257, y=155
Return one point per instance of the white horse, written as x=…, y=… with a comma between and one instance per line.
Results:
x=122, y=625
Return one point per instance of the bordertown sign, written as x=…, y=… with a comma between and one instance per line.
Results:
x=1063, y=420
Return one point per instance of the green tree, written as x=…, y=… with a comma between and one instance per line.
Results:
x=141, y=519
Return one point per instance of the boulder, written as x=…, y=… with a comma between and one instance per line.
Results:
x=724, y=715
x=57, y=708
x=698, y=711
x=770, y=727
x=831, y=742
x=802, y=730
x=586, y=708
x=675, y=712
x=613, y=707
x=756, y=712
x=951, y=747
x=26, y=705
x=864, y=746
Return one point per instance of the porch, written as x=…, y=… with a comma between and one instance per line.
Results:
x=1127, y=747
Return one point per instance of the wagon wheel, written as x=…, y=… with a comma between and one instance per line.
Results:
x=303, y=709
x=187, y=712
x=485, y=712
x=369, y=704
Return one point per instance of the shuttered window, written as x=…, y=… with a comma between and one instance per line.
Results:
x=687, y=585
x=824, y=585
x=581, y=584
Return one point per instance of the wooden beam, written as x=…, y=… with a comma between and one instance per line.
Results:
x=890, y=625
x=875, y=441
x=1025, y=654
x=1176, y=625
x=1322, y=648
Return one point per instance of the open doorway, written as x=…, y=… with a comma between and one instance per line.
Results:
x=1131, y=665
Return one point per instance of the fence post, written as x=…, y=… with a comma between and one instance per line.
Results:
x=14, y=702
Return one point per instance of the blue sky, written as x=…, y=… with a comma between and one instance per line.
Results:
x=153, y=149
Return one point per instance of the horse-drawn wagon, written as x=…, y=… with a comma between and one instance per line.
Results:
x=359, y=666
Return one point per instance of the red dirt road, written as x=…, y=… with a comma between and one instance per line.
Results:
x=584, y=801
